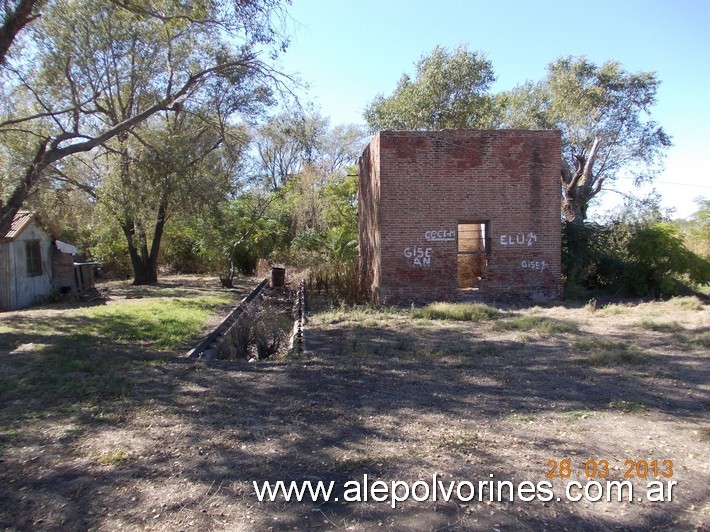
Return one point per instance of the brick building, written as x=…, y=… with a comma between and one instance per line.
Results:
x=460, y=214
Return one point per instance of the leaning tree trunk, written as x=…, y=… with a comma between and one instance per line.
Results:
x=580, y=185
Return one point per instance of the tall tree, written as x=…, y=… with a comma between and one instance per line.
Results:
x=283, y=144
x=292, y=141
x=604, y=115
x=449, y=91
x=98, y=69
x=176, y=165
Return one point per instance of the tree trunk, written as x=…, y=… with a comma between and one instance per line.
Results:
x=142, y=270
x=572, y=211
x=145, y=265
x=14, y=20
x=144, y=261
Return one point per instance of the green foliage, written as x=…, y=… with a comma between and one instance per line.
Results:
x=603, y=113
x=657, y=256
x=183, y=249
x=155, y=89
x=632, y=257
x=110, y=249
x=255, y=225
x=697, y=229
x=450, y=91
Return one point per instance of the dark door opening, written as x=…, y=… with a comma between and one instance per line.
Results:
x=472, y=253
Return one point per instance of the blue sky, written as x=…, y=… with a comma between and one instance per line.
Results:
x=351, y=50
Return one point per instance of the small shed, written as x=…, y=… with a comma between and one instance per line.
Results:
x=25, y=263
x=460, y=215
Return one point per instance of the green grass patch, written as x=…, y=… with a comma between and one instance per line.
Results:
x=113, y=458
x=628, y=406
x=648, y=325
x=456, y=311
x=537, y=324
x=158, y=323
x=85, y=352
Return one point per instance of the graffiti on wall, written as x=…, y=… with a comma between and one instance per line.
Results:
x=442, y=235
x=537, y=265
x=518, y=239
x=420, y=257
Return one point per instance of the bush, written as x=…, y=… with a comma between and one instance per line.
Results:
x=638, y=258
x=657, y=258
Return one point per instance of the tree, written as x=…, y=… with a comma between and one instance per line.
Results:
x=178, y=164
x=697, y=229
x=283, y=144
x=603, y=113
x=450, y=91
x=99, y=69
x=17, y=15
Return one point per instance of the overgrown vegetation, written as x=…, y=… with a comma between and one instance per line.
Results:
x=260, y=331
x=639, y=256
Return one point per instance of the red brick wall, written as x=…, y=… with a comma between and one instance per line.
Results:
x=369, y=219
x=413, y=183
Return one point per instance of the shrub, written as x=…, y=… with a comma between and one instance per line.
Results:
x=638, y=258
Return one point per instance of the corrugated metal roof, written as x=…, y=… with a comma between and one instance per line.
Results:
x=21, y=220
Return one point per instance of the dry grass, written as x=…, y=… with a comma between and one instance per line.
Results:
x=456, y=311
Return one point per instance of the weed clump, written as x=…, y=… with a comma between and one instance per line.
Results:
x=607, y=353
x=456, y=311
x=687, y=303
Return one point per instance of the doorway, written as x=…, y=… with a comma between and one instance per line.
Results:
x=473, y=248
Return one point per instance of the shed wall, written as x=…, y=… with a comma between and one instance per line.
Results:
x=17, y=289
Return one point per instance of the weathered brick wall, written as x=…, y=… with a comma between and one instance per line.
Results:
x=369, y=219
x=429, y=182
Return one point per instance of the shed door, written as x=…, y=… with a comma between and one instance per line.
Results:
x=472, y=253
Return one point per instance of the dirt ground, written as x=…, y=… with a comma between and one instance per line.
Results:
x=396, y=398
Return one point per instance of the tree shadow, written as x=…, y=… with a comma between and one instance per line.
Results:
x=362, y=403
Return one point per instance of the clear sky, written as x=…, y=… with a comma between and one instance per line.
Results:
x=351, y=50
